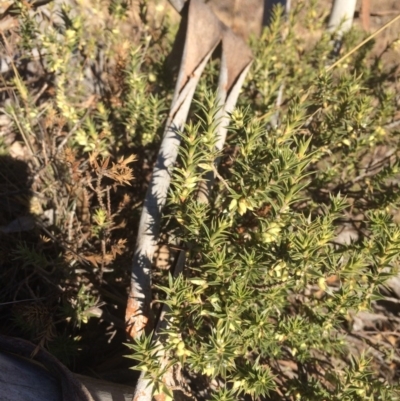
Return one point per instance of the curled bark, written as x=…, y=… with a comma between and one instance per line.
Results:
x=202, y=32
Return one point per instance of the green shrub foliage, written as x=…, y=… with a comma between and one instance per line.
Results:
x=301, y=232
x=266, y=304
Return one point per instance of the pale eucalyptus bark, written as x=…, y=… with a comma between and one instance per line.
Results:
x=177, y=4
x=342, y=14
x=243, y=17
x=235, y=63
x=340, y=21
x=201, y=31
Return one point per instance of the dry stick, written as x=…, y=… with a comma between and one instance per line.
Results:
x=348, y=54
x=365, y=13
x=203, y=32
x=22, y=300
x=382, y=13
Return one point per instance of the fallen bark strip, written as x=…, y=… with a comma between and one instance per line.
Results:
x=203, y=32
x=235, y=62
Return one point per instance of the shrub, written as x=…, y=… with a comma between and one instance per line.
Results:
x=270, y=300
x=270, y=292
